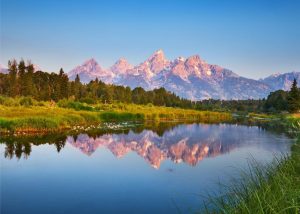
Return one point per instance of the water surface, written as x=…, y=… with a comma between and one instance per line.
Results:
x=142, y=170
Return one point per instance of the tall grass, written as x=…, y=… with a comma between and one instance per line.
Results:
x=265, y=189
x=64, y=115
x=273, y=188
x=34, y=119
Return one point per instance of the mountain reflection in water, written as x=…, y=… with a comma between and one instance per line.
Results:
x=183, y=143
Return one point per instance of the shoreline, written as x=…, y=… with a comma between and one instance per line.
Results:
x=39, y=120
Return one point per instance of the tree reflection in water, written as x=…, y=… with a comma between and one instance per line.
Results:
x=189, y=143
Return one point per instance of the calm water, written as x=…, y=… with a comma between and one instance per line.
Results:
x=158, y=170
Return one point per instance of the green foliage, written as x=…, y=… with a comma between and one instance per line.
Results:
x=276, y=101
x=43, y=86
x=113, y=116
x=273, y=188
x=44, y=116
x=88, y=100
x=26, y=101
x=294, y=98
x=74, y=105
x=265, y=189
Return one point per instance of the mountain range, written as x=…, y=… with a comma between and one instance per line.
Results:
x=191, y=78
x=3, y=69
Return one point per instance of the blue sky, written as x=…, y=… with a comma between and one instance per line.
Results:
x=252, y=38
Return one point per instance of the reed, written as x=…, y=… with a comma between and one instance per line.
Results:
x=273, y=188
x=65, y=115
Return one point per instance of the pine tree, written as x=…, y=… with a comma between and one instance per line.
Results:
x=63, y=79
x=29, y=89
x=12, y=78
x=77, y=87
x=294, y=98
x=21, y=77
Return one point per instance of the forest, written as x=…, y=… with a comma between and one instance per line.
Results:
x=23, y=81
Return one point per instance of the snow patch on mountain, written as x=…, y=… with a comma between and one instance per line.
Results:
x=191, y=78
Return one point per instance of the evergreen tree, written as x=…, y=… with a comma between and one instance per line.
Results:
x=29, y=89
x=294, y=98
x=77, y=87
x=3, y=84
x=12, y=78
x=63, y=82
x=276, y=101
x=21, y=77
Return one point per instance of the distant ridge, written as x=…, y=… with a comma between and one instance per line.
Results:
x=191, y=78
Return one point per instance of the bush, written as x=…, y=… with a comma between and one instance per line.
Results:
x=114, y=116
x=74, y=105
x=2, y=99
x=26, y=101
x=6, y=124
x=11, y=102
x=88, y=100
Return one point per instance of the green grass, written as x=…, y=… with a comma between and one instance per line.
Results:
x=65, y=115
x=273, y=188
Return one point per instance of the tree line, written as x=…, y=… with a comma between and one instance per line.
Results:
x=23, y=80
x=280, y=100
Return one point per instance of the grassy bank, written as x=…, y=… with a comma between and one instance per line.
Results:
x=48, y=117
x=273, y=188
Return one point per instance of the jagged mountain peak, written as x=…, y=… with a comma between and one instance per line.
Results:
x=90, y=60
x=90, y=70
x=281, y=81
x=194, y=60
x=158, y=54
x=157, y=61
x=191, y=77
x=121, y=66
x=179, y=60
x=122, y=61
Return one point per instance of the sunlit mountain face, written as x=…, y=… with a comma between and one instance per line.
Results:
x=190, y=77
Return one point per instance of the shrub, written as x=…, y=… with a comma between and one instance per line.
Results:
x=26, y=101
x=88, y=100
x=74, y=105
x=10, y=102
x=114, y=116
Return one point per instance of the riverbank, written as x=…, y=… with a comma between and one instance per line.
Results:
x=274, y=188
x=267, y=189
x=46, y=118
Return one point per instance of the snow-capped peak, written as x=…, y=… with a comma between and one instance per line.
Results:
x=180, y=59
x=36, y=67
x=158, y=53
x=121, y=66
x=191, y=78
x=194, y=60
x=3, y=69
x=276, y=74
x=91, y=70
x=157, y=61
x=90, y=62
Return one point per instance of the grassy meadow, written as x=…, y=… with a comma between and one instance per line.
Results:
x=272, y=188
x=27, y=115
